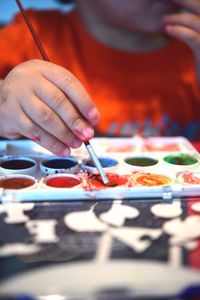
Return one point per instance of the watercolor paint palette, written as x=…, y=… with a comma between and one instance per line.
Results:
x=137, y=168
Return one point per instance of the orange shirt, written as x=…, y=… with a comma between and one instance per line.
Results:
x=153, y=93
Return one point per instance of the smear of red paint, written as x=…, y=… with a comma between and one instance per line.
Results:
x=166, y=147
x=95, y=181
x=62, y=182
x=36, y=139
x=190, y=178
x=125, y=148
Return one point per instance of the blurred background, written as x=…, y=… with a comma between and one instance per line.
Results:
x=9, y=7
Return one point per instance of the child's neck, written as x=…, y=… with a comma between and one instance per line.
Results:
x=125, y=40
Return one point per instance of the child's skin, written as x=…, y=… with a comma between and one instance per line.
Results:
x=51, y=106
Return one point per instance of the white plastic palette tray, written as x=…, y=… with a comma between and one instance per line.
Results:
x=184, y=179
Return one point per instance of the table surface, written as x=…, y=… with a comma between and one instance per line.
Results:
x=122, y=247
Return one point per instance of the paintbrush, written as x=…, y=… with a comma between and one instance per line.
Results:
x=45, y=57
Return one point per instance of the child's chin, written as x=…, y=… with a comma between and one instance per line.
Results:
x=156, y=29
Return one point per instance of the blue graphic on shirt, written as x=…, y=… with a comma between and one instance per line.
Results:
x=166, y=127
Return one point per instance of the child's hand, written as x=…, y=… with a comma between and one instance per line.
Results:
x=186, y=27
x=46, y=103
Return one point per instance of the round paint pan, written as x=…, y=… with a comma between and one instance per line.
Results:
x=66, y=181
x=59, y=165
x=18, y=165
x=107, y=163
x=17, y=182
x=188, y=178
x=139, y=163
x=115, y=180
x=151, y=179
x=181, y=160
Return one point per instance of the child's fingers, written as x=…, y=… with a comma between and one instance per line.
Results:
x=192, y=5
x=71, y=87
x=187, y=35
x=191, y=38
x=31, y=130
x=186, y=19
x=24, y=126
x=41, y=109
x=59, y=102
x=49, y=121
x=11, y=135
x=185, y=27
